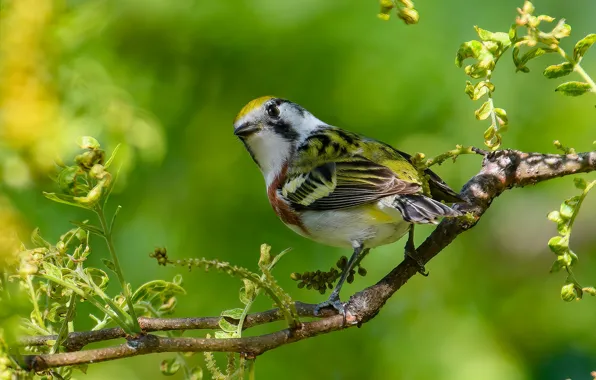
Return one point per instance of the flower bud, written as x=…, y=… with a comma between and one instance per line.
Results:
x=408, y=15
x=568, y=293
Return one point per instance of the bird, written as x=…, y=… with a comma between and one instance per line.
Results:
x=337, y=187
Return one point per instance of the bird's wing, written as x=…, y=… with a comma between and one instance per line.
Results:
x=341, y=184
x=439, y=190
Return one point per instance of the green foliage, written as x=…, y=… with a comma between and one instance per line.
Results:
x=54, y=278
x=559, y=244
x=405, y=10
x=574, y=88
x=535, y=43
x=486, y=52
x=254, y=280
x=232, y=320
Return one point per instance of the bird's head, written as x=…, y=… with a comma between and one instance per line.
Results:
x=272, y=129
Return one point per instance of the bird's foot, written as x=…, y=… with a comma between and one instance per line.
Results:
x=412, y=254
x=334, y=302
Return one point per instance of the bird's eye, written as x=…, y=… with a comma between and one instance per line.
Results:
x=272, y=110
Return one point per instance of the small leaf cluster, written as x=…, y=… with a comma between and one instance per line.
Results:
x=538, y=42
x=236, y=366
x=559, y=244
x=486, y=52
x=321, y=281
x=232, y=320
x=264, y=281
x=534, y=43
x=88, y=181
x=40, y=292
x=55, y=280
x=404, y=9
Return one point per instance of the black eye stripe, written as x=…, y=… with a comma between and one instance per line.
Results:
x=283, y=129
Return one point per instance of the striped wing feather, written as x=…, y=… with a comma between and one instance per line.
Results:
x=336, y=185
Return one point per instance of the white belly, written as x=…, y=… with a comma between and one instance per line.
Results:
x=373, y=225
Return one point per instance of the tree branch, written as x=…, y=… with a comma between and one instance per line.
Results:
x=501, y=170
x=77, y=340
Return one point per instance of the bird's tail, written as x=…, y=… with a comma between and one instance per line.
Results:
x=417, y=208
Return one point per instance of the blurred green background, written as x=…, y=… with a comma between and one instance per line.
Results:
x=166, y=78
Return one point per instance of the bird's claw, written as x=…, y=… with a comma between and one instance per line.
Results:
x=334, y=302
x=414, y=256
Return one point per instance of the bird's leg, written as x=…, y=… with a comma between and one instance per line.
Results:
x=410, y=251
x=333, y=299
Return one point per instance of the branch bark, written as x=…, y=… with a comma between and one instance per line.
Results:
x=501, y=170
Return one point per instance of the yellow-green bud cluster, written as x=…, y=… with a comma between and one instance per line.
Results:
x=405, y=10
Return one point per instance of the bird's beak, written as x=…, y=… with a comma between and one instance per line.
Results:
x=246, y=129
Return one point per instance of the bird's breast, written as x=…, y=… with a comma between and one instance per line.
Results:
x=281, y=207
x=371, y=224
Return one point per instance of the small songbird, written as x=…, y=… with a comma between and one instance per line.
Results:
x=336, y=187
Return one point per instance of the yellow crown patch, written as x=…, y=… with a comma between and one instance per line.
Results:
x=255, y=103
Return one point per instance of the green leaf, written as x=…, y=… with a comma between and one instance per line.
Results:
x=568, y=293
x=520, y=63
x=88, y=142
x=169, y=367
x=559, y=245
x=481, y=68
x=88, y=227
x=233, y=313
x=500, y=37
x=266, y=257
x=470, y=49
x=196, y=374
x=56, y=313
x=67, y=178
x=99, y=277
x=557, y=71
x=484, y=111
x=568, y=207
x=563, y=228
x=573, y=88
x=111, y=159
x=66, y=199
x=109, y=264
x=561, y=30
x=227, y=326
x=557, y=266
x=82, y=367
x=224, y=335
x=177, y=280
x=571, y=257
x=512, y=33
x=554, y=216
x=580, y=183
x=37, y=240
x=502, y=116
x=477, y=91
x=163, y=289
x=582, y=46
x=51, y=270
x=247, y=292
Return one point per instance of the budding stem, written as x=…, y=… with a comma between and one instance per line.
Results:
x=107, y=231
